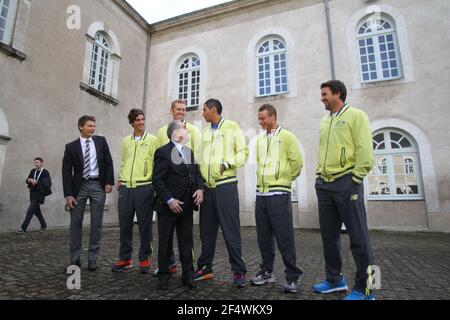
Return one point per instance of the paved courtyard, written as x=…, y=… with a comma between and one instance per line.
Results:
x=413, y=266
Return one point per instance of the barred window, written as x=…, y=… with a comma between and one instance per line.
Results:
x=378, y=50
x=99, y=63
x=189, y=81
x=271, y=63
x=396, y=175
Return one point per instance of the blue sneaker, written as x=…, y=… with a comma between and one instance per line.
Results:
x=356, y=295
x=328, y=287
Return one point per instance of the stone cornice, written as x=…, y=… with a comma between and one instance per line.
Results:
x=195, y=17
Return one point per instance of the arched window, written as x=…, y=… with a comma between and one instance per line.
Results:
x=378, y=49
x=100, y=57
x=189, y=81
x=396, y=175
x=7, y=16
x=271, y=62
x=101, y=63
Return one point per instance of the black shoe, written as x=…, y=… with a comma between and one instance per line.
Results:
x=190, y=284
x=163, y=280
x=164, y=285
x=92, y=266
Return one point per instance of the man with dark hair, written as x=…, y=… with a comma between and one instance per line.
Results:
x=345, y=158
x=39, y=184
x=136, y=193
x=279, y=162
x=179, y=186
x=224, y=151
x=87, y=173
x=178, y=111
x=336, y=87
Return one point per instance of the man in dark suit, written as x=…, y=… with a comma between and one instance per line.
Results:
x=179, y=187
x=40, y=184
x=87, y=173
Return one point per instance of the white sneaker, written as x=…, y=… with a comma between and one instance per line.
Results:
x=290, y=287
x=262, y=277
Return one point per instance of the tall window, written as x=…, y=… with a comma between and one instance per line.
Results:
x=271, y=64
x=396, y=172
x=99, y=63
x=7, y=15
x=378, y=50
x=189, y=81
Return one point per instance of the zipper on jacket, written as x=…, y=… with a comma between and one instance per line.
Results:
x=277, y=171
x=265, y=160
x=326, y=152
x=209, y=163
x=132, y=165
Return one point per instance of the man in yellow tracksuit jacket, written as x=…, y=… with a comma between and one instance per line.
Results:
x=279, y=162
x=136, y=193
x=223, y=151
x=345, y=158
x=178, y=111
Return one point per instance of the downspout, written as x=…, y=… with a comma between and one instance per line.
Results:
x=146, y=69
x=330, y=39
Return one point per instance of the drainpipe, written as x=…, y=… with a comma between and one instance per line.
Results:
x=330, y=39
x=146, y=70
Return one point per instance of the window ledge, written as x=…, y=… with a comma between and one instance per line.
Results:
x=383, y=83
x=99, y=94
x=420, y=198
x=192, y=108
x=5, y=138
x=11, y=52
x=272, y=97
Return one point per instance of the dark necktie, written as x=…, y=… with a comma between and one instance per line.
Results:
x=87, y=161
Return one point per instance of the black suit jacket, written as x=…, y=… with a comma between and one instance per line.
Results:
x=172, y=178
x=44, y=185
x=72, y=167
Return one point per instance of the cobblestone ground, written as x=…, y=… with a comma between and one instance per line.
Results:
x=413, y=266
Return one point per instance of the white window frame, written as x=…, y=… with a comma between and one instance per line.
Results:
x=189, y=71
x=387, y=153
x=271, y=55
x=373, y=22
x=112, y=79
x=10, y=20
x=97, y=67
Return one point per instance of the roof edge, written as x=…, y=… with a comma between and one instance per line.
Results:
x=208, y=12
x=136, y=16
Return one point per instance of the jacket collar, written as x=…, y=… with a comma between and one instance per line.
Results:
x=142, y=138
x=222, y=120
x=344, y=108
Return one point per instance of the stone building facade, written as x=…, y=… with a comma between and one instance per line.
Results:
x=391, y=55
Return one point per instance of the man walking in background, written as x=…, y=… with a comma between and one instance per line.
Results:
x=39, y=184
